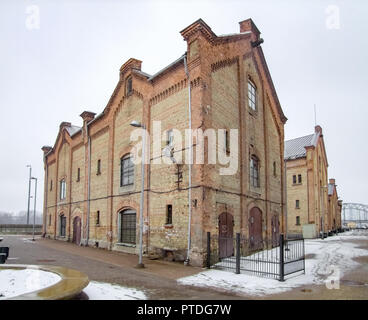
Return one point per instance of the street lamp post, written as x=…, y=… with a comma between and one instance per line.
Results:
x=29, y=191
x=34, y=210
x=140, y=125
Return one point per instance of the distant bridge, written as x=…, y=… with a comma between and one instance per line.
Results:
x=354, y=212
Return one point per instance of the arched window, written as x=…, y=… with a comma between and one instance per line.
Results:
x=254, y=171
x=127, y=226
x=62, y=225
x=126, y=171
x=252, y=95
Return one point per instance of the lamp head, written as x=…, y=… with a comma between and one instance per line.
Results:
x=136, y=124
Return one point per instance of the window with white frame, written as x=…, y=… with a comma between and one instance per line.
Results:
x=62, y=189
x=126, y=171
x=252, y=95
x=254, y=171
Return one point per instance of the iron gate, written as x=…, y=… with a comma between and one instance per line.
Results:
x=263, y=259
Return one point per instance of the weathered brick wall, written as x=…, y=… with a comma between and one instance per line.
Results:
x=99, y=190
x=173, y=114
x=130, y=110
x=78, y=187
x=51, y=198
x=63, y=167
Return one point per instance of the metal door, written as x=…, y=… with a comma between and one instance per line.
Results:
x=255, y=229
x=77, y=230
x=226, y=237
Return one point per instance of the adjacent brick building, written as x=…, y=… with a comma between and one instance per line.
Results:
x=92, y=190
x=312, y=202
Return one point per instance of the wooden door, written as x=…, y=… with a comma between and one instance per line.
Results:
x=255, y=229
x=275, y=225
x=226, y=236
x=77, y=230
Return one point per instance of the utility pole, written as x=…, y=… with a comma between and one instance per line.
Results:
x=29, y=191
x=140, y=125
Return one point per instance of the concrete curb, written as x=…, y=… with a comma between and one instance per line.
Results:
x=71, y=284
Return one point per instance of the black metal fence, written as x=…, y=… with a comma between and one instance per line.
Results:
x=274, y=258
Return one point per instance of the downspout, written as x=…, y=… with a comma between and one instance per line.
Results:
x=89, y=183
x=186, y=262
x=45, y=211
x=285, y=197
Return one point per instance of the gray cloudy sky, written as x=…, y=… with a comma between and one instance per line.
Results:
x=71, y=64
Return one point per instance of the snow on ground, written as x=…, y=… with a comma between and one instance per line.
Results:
x=106, y=291
x=323, y=254
x=16, y=282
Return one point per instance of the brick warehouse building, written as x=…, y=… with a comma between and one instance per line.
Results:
x=313, y=205
x=92, y=190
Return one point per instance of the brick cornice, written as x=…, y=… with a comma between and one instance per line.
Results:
x=224, y=63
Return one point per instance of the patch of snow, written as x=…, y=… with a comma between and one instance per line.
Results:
x=107, y=291
x=334, y=251
x=16, y=282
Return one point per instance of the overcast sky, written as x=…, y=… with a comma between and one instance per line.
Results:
x=69, y=62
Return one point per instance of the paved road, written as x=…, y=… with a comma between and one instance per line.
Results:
x=158, y=279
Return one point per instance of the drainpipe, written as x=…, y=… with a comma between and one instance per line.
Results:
x=89, y=183
x=285, y=197
x=45, y=211
x=186, y=262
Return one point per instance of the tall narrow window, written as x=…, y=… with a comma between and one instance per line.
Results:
x=78, y=175
x=274, y=169
x=129, y=86
x=227, y=141
x=169, y=214
x=126, y=171
x=98, y=167
x=98, y=218
x=62, y=189
x=252, y=95
x=297, y=204
x=294, y=179
x=297, y=220
x=50, y=220
x=299, y=178
x=254, y=171
x=51, y=185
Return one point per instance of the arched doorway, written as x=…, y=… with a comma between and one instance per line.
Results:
x=77, y=230
x=255, y=229
x=275, y=225
x=127, y=226
x=226, y=236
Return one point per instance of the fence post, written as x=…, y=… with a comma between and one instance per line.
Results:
x=237, y=253
x=208, y=250
x=282, y=258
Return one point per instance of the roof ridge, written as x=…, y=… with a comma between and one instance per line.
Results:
x=308, y=135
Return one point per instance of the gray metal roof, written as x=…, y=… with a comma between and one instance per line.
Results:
x=295, y=148
x=73, y=130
